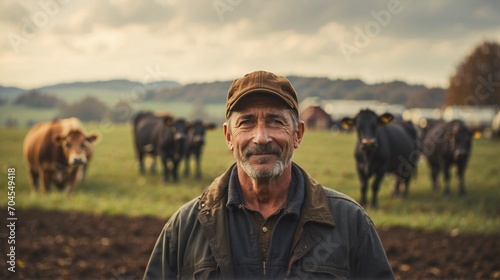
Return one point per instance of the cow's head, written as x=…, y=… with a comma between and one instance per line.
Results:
x=174, y=136
x=76, y=146
x=168, y=131
x=180, y=129
x=366, y=123
x=460, y=139
x=197, y=130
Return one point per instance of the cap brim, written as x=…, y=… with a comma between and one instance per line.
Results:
x=257, y=90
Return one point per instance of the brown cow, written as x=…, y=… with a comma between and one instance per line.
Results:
x=57, y=152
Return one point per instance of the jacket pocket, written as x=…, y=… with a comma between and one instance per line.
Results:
x=325, y=272
x=319, y=271
x=208, y=270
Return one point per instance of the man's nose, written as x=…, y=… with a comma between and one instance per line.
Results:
x=261, y=134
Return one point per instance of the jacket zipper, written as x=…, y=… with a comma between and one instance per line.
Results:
x=264, y=268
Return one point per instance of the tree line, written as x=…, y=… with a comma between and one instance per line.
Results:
x=87, y=109
x=476, y=82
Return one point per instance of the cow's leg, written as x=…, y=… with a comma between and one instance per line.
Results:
x=46, y=181
x=140, y=159
x=435, y=178
x=60, y=185
x=152, y=168
x=71, y=181
x=446, y=175
x=461, y=179
x=186, y=164
x=198, y=165
x=395, y=187
x=406, y=183
x=164, y=164
x=34, y=179
x=84, y=172
x=363, y=180
x=375, y=187
x=175, y=167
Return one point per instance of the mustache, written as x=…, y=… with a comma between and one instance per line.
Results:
x=262, y=149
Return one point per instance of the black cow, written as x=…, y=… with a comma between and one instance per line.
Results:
x=161, y=136
x=383, y=146
x=446, y=144
x=194, y=145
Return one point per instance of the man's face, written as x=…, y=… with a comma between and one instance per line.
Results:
x=261, y=134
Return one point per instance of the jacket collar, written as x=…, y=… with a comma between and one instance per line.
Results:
x=315, y=207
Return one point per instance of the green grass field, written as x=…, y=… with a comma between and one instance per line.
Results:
x=113, y=185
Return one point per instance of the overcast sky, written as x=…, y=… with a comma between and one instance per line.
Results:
x=51, y=41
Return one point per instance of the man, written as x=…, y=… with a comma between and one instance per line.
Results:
x=265, y=217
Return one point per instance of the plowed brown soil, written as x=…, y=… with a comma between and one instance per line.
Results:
x=61, y=245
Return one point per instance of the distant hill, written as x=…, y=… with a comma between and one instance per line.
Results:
x=396, y=92
x=108, y=91
x=11, y=90
x=10, y=93
x=114, y=85
x=213, y=93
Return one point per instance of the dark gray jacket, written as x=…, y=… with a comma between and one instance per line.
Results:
x=334, y=238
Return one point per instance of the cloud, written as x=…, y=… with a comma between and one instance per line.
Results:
x=202, y=40
x=11, y=12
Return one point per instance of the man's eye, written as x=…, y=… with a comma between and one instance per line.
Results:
x=276, y=122
x=246, y=122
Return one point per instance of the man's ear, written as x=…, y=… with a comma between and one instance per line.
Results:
x=228, y=136
x=299, y=134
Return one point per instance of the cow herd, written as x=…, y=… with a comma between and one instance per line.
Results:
x=171, y=139
x=385, y=145
x=58, y=152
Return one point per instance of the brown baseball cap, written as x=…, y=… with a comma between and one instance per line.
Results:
x=261, y=82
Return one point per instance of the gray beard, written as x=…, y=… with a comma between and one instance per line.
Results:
x=277, y=170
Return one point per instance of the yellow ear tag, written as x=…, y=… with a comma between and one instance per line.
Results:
x=169, y=122
x=477, y=134
x=385, y=119
x=347, y=123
